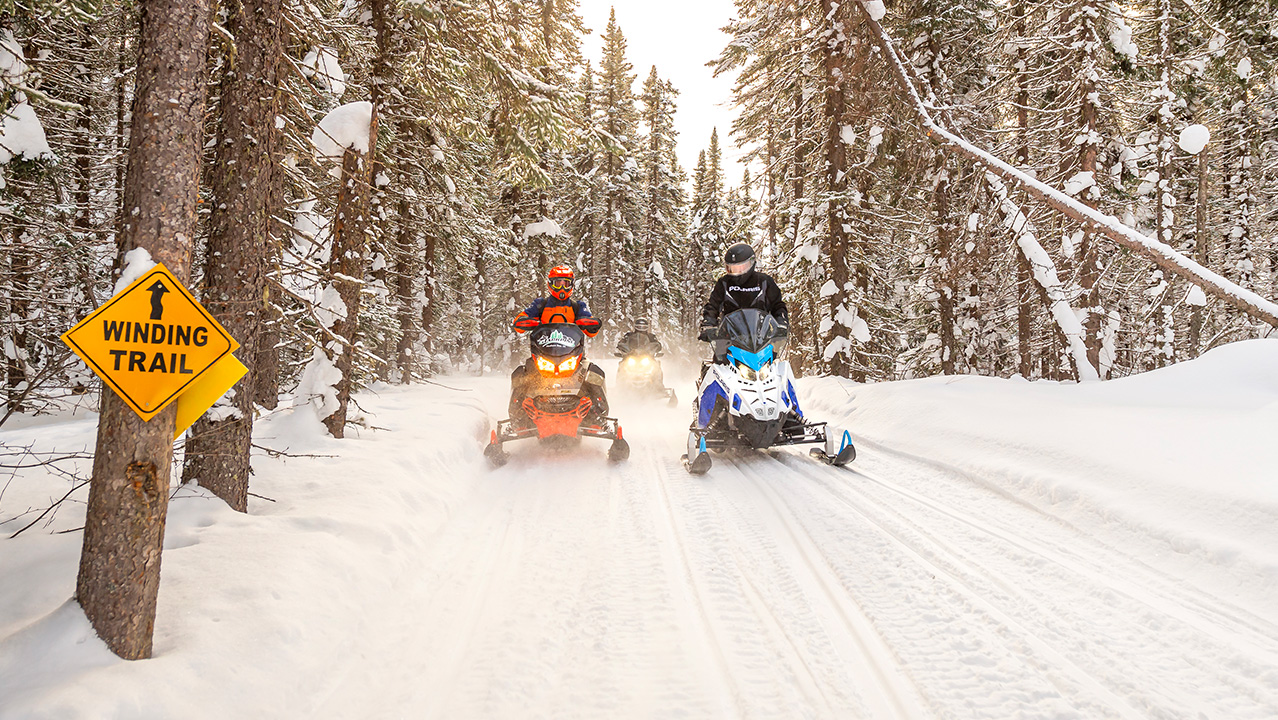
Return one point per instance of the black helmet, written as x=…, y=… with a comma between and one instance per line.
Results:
x=739, y=259
x=642, y=324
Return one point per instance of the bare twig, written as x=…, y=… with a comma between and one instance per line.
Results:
x=48, y=510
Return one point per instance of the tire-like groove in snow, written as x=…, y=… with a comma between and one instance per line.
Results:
x=895, y=694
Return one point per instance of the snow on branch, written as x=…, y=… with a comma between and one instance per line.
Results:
x=1160, y=254
x=1044, y=272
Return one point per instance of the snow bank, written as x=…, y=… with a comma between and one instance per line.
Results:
x=275, y=604
x=1182, y=458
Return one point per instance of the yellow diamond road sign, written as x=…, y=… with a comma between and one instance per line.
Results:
x=151, y=342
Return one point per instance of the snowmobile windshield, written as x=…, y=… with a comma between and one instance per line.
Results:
x=753, y=332
x=557, y=340
x=638, y=346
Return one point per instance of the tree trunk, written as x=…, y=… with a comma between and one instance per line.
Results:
x=119, y=573
x=428, y=291
x=406, y=262
x=1165, y=346
x=346, y=272
x=1200, y=250
x=1024, y=273
x=836, y=171
x=217, y=451
x=1089, y=249
x=943, y=270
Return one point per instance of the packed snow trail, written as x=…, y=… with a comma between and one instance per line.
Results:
x=779, y=587
x=404, y=578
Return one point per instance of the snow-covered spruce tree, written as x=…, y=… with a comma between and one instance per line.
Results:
x=617, y=255
x=708, y=232
x=551, y=30
x=946, y=44
x=1241, y=65
x=778, y=100
x=583, y=189
x=663, y=219
x=59, y=159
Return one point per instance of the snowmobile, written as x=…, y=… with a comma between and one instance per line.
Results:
x=749, y=401
x=639, y=372
x=562, y=401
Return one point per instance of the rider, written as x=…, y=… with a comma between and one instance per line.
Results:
x=742, y=287
x=559, y=307
x=639, y=337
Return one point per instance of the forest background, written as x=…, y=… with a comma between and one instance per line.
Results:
x=429, y=161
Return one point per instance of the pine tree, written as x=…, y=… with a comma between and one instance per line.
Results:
x=663, y=229
x=620, y=175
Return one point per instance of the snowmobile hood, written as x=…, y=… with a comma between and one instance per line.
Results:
x=557, y=340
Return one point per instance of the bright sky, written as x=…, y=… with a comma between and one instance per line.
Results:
x=679, y=37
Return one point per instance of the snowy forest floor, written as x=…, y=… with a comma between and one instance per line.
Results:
x=999, y=549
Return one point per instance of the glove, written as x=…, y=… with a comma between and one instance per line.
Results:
x=707, y=333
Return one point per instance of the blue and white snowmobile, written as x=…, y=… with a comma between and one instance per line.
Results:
x=749, y=401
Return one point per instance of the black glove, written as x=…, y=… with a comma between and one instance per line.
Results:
x=707, y=333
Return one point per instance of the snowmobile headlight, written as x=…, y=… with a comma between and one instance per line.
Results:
x=765, y=371
x=570, y=365
x=645, y=362
x=746, y=372
x=630, y=362
x=545, y=366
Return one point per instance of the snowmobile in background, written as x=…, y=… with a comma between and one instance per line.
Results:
x=749, y=401
x=562, y=401
x=639, y=371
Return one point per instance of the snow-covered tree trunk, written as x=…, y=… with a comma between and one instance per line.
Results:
x=407, y=252
x=839, y=71
x=346, y=274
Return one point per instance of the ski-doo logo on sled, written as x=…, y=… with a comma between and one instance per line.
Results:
x=556, y=339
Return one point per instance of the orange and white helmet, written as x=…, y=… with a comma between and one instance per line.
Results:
x=559, y=282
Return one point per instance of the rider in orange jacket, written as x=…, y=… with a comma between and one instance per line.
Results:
x=559, y=307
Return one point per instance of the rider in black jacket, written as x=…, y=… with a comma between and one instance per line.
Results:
x=742, y=287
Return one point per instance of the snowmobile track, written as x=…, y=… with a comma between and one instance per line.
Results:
x=895, y=696
x=1089, y=590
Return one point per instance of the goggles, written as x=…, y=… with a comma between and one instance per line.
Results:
x=740, y=268
x=561, y=283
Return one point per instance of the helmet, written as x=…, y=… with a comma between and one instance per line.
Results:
x=642, y=324
x=559, y=282
x=739, y=259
